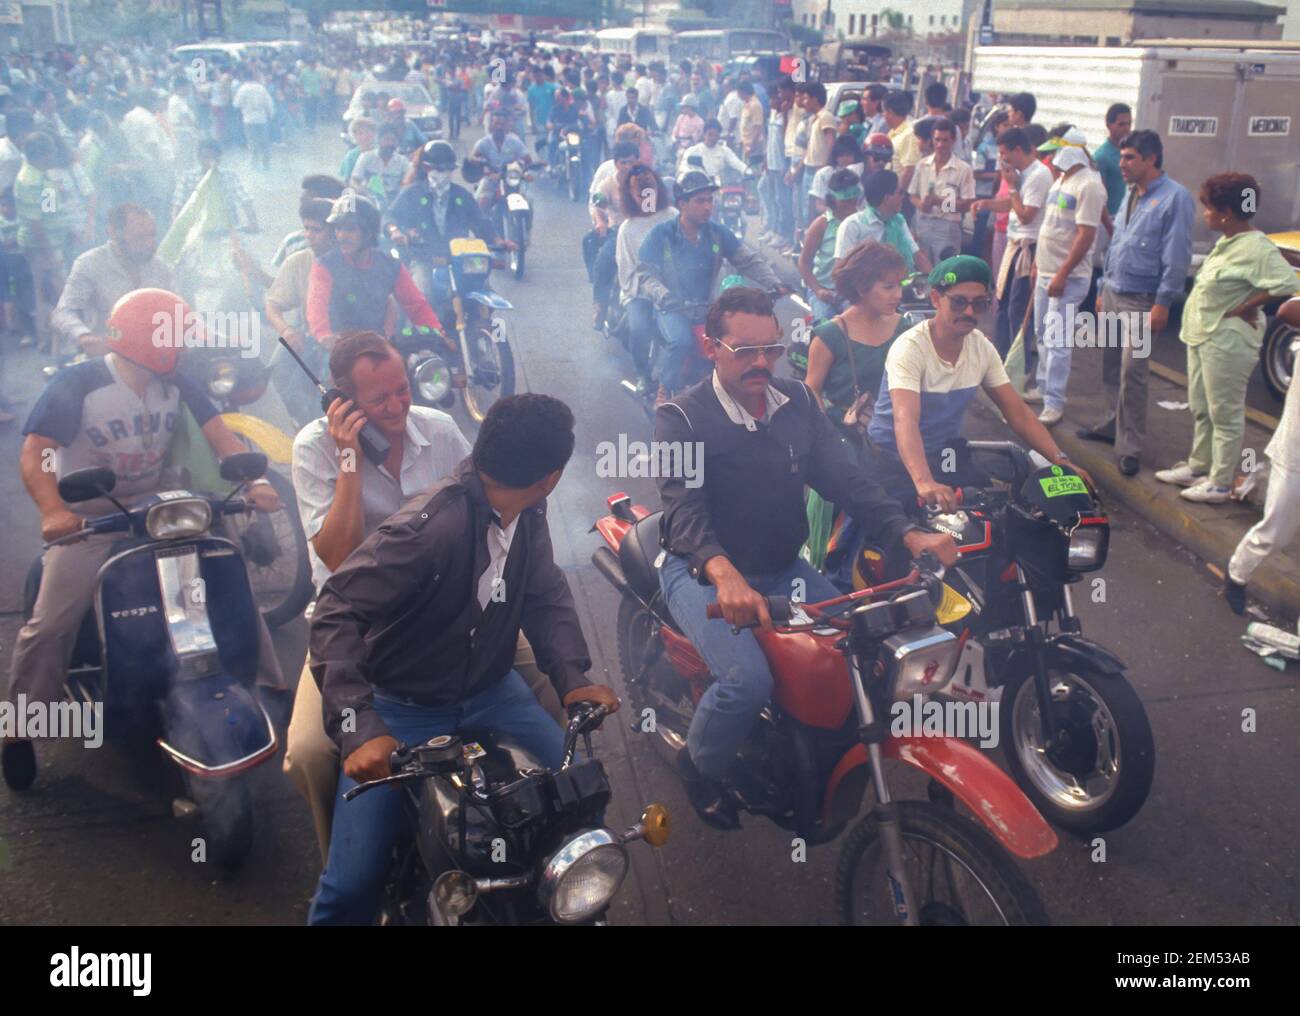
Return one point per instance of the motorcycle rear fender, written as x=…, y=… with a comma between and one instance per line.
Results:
x=215, y=726
x=265, y=436
x=488, y=299
x=990, y=794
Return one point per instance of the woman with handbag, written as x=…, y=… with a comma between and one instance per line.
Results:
x=846, y=360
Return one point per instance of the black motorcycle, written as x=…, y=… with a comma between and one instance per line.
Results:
x=495, y=838
x=1075, y=735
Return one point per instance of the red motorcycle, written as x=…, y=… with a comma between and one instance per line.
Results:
x=839, y=668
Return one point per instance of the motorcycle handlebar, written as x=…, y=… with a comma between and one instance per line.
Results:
x=778, y=608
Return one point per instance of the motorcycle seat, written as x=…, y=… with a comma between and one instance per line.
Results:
x=637, y=554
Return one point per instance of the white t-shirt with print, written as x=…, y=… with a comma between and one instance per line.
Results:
x=1035, y=182
x=1073, y=201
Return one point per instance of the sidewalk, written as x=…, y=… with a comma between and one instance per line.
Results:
x=1211, y=532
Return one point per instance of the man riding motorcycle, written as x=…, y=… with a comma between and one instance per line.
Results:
x=734, y=538
x=414, y=635
x=349, y=287
x=494, y=152
x=678, y=268
x=431, y=212
x=118, y=410
x=932, y=372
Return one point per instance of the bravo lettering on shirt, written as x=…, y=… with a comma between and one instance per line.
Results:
x=99, y=420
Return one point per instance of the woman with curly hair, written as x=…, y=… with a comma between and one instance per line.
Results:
x=1223, y=330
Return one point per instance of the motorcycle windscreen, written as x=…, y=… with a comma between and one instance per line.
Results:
x=215, y=726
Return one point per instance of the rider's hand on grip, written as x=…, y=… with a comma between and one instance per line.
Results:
x=598, y=694
x=60, y=523
x=741, y=606
x=933, y=493
x=372, y=761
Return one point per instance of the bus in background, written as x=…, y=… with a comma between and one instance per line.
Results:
x=575, y=40
x=720, y=45
x=639, y=43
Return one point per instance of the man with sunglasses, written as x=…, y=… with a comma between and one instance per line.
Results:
x=931, y=374
x=732, y=530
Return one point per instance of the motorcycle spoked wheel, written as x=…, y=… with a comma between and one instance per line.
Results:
x=275, y=553
x=226, y=817
x=660, y=697
x=1100, y=776
x=960, y=875
x=491, y=374
x=1277, y=360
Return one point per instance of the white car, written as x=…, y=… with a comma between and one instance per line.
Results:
x=421, y=110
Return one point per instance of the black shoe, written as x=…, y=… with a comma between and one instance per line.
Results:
x=1235, y=594
x=1105, y=433
x=708, y=797
x=1129, y=465
x=18, y=759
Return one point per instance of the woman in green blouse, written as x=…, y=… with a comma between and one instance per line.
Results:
x=847, y=357
x=846, y=360
x=1223, y=329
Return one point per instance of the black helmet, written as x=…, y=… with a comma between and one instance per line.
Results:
x=472, y=171
x=692, y=182
x=437, y=155
x=351, y=206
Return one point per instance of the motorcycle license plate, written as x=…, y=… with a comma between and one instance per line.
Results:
x=516, y=202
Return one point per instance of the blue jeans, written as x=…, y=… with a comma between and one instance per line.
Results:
x=640, y=333
x=742, y=682
x=604, y=270
x=367, y=828
x=768, y=185
x=1053, y=328
x=680, y=363
x=820, y=308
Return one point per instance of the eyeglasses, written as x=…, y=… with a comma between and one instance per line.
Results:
x=980, y=304
x=773, y=352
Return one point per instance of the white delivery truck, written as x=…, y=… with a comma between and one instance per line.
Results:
x=1217, y=106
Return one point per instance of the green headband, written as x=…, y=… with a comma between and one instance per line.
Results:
x=847, y=194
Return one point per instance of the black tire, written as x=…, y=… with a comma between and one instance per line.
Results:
x=476, y=404
x=226, y=816
x=1276, y=360
x=281, y=588
x=572, y=183
x=1009, y=897
x=1134, y=748
x=633, y=632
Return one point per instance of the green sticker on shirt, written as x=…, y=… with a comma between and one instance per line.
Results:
x=1061, y=486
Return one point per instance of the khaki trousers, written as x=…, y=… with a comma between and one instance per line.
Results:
x=311, y=759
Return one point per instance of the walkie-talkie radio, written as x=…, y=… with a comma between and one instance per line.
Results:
x=373, y=443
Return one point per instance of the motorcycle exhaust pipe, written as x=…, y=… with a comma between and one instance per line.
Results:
x=606, y=563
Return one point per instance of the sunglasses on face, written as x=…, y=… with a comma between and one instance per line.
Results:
x=773, y=352
x=980, y=304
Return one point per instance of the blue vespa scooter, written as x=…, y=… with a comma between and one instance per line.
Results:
x=171, y=646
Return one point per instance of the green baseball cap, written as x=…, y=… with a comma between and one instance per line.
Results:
x=954, y=271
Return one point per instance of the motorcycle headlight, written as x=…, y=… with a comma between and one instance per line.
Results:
x=432, y=379
x=1088, y=547
x=172, y=520
x=921, y=661
x=582, y=876
x=222, y=378
x=514, y=178
x=575, y=139
x=731, y=200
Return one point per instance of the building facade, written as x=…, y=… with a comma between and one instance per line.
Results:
x=1119, y=22
x=872, y=18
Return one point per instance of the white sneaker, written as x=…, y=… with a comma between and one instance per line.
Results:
x=1050, y=417
x=1206, y=492
x=1181, y=474
x=1033, y=395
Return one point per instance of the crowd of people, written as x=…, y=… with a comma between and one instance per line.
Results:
x=1010, y=224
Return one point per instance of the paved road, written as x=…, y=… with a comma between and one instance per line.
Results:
x=95, y=842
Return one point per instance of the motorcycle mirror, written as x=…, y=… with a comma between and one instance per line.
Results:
x=85, y=484
x=243, y=467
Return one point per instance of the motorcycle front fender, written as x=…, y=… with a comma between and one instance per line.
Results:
x=1071, y=652
x=990, y=794
x=215, y=727
x=490, y=299
x=277, y=445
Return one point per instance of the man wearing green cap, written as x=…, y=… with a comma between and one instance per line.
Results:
x=931, y=374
